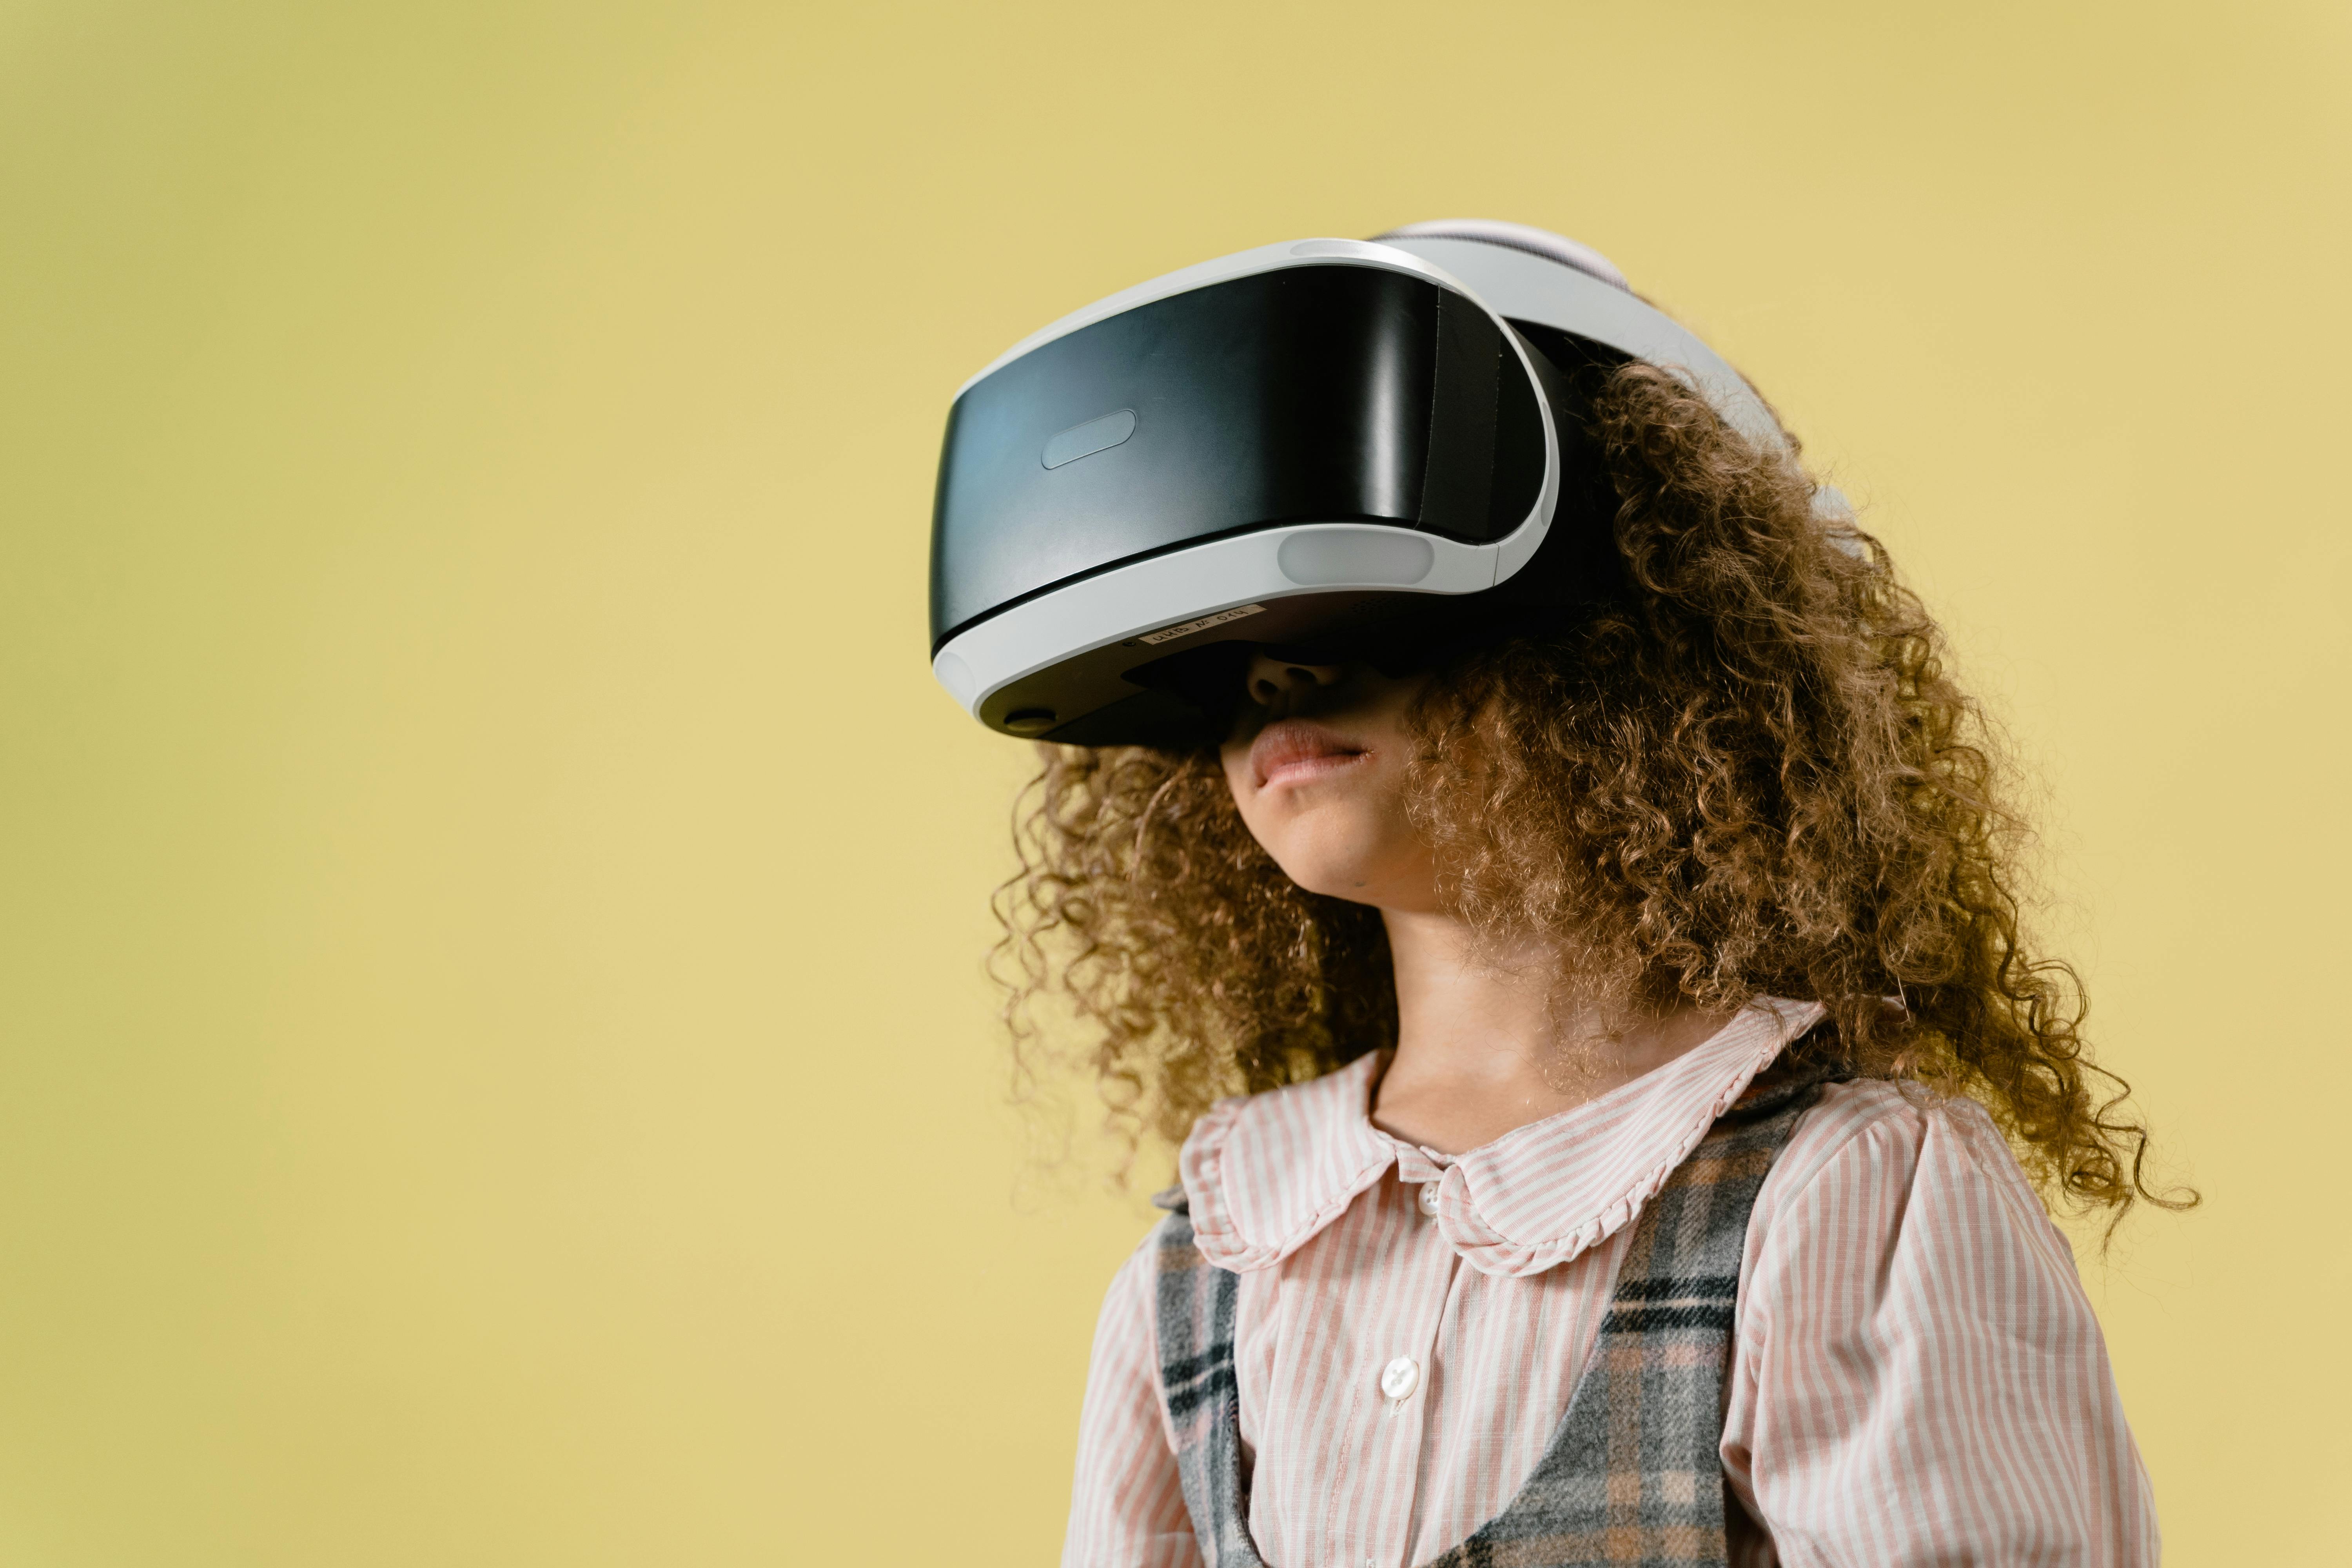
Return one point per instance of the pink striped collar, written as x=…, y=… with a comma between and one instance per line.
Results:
x=1266, y=1172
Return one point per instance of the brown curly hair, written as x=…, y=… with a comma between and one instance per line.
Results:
x=1748, y=772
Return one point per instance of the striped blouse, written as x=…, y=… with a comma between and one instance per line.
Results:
x=1916, y=1377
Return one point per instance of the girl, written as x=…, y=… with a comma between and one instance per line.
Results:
x=1641, y=1098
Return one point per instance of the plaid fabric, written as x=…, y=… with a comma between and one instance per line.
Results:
x=1196, y=1315
x=1633, y=1475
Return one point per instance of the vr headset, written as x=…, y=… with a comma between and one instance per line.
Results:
x=1343, y=449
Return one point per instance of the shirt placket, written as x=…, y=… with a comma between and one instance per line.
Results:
x=1402, y=1372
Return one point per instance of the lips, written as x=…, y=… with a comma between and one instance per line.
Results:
x=1295, y=751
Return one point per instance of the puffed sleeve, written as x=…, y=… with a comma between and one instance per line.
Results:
x=1918, y=1377
x=1127, y=1506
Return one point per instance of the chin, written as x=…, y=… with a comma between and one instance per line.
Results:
x=1353, y=889
x=1338, y=870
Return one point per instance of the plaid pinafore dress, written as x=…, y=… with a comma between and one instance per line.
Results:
x=1631, y=1475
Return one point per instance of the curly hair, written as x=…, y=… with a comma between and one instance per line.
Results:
x=1748, y=772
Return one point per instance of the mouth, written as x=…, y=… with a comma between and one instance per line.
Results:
x=1295, y=751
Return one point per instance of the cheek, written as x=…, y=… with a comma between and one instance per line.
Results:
x=1265, y=824
x=1235, y=762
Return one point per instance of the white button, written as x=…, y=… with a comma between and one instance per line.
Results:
x=1400, y=1377
x=1429, y=1198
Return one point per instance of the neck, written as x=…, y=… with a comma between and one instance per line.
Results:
x=1484, y=1047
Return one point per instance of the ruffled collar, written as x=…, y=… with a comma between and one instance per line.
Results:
x=1266, y=1172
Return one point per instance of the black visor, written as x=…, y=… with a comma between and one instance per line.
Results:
x=1329, y=445
x=1331, y=394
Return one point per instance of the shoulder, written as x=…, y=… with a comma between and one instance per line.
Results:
x=1131, y=1286
x=1906, y=1125
x=1876, y=1162
x=1127, y=1332
x=1911, y=1325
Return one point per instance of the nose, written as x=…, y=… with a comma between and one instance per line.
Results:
x=1281, y=682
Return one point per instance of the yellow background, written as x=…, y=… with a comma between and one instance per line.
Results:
x=494, y=1068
